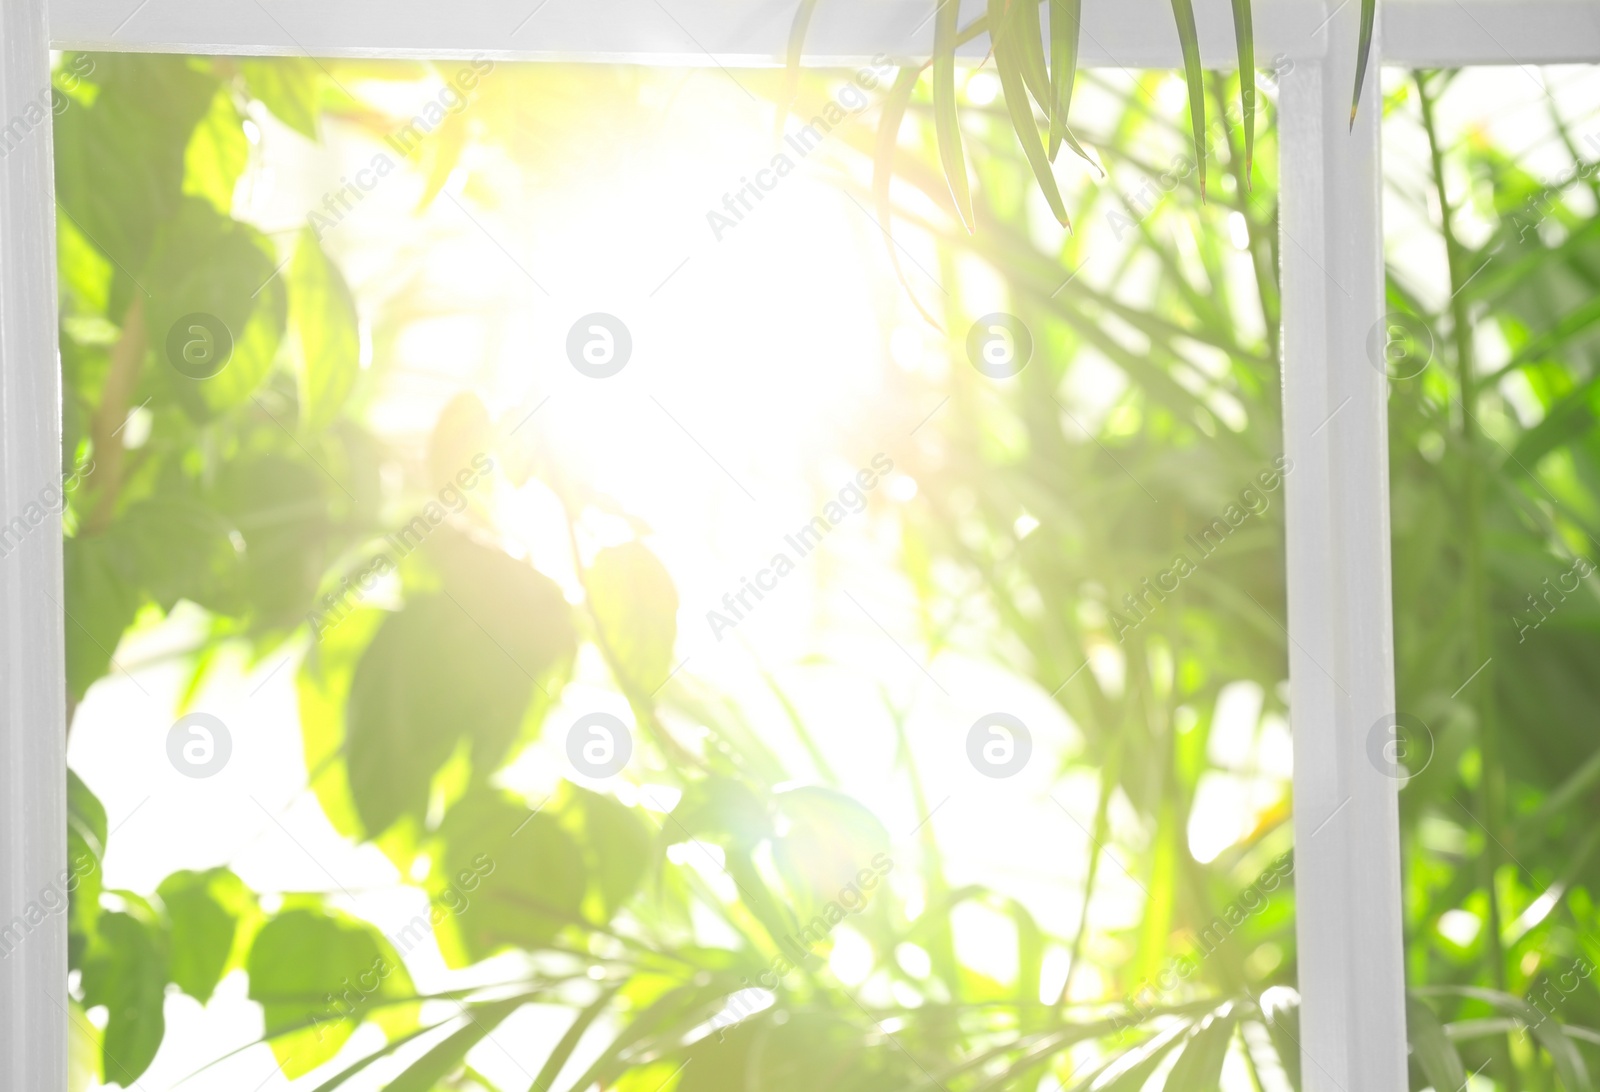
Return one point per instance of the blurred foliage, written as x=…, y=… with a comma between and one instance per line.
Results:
x=258, y=494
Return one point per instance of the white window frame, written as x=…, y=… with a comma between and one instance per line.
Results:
x=1352, y=977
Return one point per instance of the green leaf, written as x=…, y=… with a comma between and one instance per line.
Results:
x=316, y=977
x=719, y=809
x=1008, y=61
x=616, y=843
x=181, y=549
x=339, y=1079
x=290, y=87
x=1189, y=39
x=563, y=1049
x=674, y=1010
x=204, y=263
x=1066, y=26
x=1564, y=1055
x=86, y=279
x=636, y=606
x=101, y=601
x=327, y=334
x=947, y=126
x=280, y=507
x=84, y=1044
x=806, y=1052
x=461, y=664
x=86, y=814
x=425, y=681
x=126, y=971
x=1244, y=33
x=895, y=105
x=531, y=874
x=323, y=687
x=1283, y=1025
x=1434, y=1052
x=446, y=1056
x=1136, y=1066
x=120, y=162
x=217, y=154
x=1030, y=49
x=203, y=909
x=86, y=842
x=1199, y=1067
x=1369, y=10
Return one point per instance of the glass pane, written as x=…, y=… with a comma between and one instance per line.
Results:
x=1490, y=215
x=569, y=582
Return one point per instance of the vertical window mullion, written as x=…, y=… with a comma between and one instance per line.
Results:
x=1341, y=666
x=33, y=767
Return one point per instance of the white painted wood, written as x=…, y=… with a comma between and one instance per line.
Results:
x=1133, y=33
x=1444, y=34
x=33, y=764
x=1341, y=663
x=1117, y=33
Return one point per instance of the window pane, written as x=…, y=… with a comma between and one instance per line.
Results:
x=1490, y=213
x=546, y=545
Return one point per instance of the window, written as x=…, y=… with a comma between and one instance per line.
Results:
x=1339, y=596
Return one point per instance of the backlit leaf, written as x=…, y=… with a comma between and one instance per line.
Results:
x=322, y=313
x=317, y=976
x=203, y=910
x=946, y=125
x=1244, y=33
x=1009, y=63
x=1189, y=38
x=1369, y=11
x=1066, y=24
x=1435, y=1054
x=636, y=606
x=126, y=971
x=530, y=874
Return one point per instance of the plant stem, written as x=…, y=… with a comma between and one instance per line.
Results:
x=1491, y=780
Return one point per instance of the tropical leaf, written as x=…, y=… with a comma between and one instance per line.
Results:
x=1244, y=32
x=1369, y=11
x=1066, y=28
x=1434, y=1052
x=1189, y=39
x=1005, y=23
x=947, y=124
x=797, y=43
